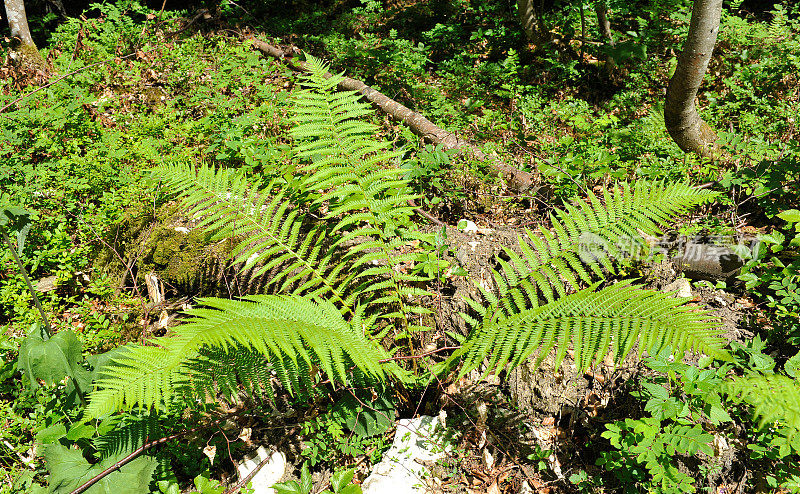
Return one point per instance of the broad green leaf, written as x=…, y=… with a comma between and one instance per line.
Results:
x=80, y=431
x=656, y=390
x=718, y=415
x=51, y=434
x=305, y=479
x=341, y=478
x=792, y=365
x=69, y=470
x=775, y=238
x=18, y=221
x=366, y=417
x=290, y=487
x=51, y=360
x=204, y=485
x=791, y=216
x=11, y=215
x=167, y=487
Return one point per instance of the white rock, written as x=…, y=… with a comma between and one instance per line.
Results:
x=467, y=226
x=400, y=472
x=269, y=475
x=720, y=445
x=681, y=286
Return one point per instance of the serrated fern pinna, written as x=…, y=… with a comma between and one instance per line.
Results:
x=332, y=247
x=775, y=399
x=295, y=335
x=531, y=309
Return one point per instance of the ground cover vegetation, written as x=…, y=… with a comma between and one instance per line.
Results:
x=315, y=272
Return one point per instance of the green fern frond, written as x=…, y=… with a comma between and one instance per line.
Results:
x=294, y=335
x=130, y=432
x=230, y=373
x=775, y=399
x=594, y=322
x=358, y=178
x=272, y=230
x=779, y=26
x=587, y=237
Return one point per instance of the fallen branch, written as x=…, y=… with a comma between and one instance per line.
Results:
x=518, y=180
x=141, y=449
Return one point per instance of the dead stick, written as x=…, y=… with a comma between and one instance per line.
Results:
x=518, y=180
x=144, y=447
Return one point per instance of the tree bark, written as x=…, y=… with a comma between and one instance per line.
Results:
x=23, y=45
x=682, y=120
x=531, y=21
x=601, y=10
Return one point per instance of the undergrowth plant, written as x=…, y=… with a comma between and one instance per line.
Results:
x=333, y=235
x=334, y=246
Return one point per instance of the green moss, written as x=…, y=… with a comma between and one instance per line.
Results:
x=30, y=56
x=168, y=244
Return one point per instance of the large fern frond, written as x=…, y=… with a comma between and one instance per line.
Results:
x=271, y=230
x=295, y=335
x=593, y=322
x=587, y=237
x=358, y=178
x=774, y=398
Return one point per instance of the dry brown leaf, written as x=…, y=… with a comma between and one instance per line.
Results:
x=245, y=434
x=211, y=452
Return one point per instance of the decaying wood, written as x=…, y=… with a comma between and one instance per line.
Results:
x=517, y=180
x=154, y=289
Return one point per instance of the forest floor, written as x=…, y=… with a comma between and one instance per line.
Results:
x=117, y=259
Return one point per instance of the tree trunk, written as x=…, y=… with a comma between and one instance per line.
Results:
x=683, y=122
x=22, y=44
x=601, y=9
x=531, y=21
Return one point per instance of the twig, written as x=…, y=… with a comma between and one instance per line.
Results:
x=121, y=463
x=425, y=214
x=201, y=13
x=425, y=354
x=243, y=482
x=47, y=328
x=28, y=462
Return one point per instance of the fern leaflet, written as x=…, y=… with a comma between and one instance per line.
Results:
x=775, y=399
x=295, y=335
x=366, y=193
x=594, y=322
x=586, y=237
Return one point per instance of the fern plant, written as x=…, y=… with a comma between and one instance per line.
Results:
x=336, y=279
x=352, y=256
x=295, y=335
x=587, y=237
x=367, y=200
x=594, y=322
x=776, y=400
x=532, y=310
x=271, y=228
